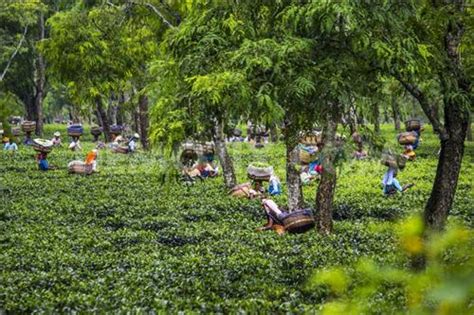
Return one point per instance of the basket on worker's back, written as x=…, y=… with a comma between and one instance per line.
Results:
x=75, y=130
x=299, y=221
x=209, y=147
x=28, y=126
x=408, y=137
x=389, y=160
x=42, y=145
x=313, y=139
x=259, y=171
x=79, y=167
x=413, y=124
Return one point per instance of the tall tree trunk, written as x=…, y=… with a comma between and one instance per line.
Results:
x=104, y=121
x=120, y=109
x=376, y=113
x=456, y=117
x=143, y=112
x=136, y=120
x=112, y=111
x=396, y=113
x=40, y=82
x=273, y=133
x=293, y=180
x=469, y=129
x=352, y=115
x=327, y=185
x=224, y=157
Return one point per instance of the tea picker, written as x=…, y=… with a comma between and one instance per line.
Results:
x=257, y=173
x=43, y=147
x=10, y=145
x=390, y=183
x=96, y=131
x=75, y=131
x=87, y=167
x=28, y=127
x=56, y=139
x=298, y=221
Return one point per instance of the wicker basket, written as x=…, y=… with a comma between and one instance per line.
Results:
x=42, y=145
x=75, y=130
x=208, y=148
x=406, y=138
x=237, y=132
x=121, y=149
x=413, y=124
x=96, y=131
x=116, y=129
x=299, y=221
x=79, y=167
x=259, y=173
x=312, y=138
x=390, y=161
x=28, y=126
x=401, y=161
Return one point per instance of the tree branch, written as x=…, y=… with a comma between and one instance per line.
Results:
x=22, y=39
x=428, y=108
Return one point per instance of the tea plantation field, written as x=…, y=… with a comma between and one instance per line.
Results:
x=121, y=241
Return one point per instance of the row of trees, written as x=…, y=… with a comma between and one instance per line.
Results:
x=204, y=65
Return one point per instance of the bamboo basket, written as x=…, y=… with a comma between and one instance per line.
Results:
x=121, y=149
x=259, y=173
x=75, y=130
x=413, y=124
x=96, y=131
x=28, y=126
x=406, y=138
x=79, y=167
x=42, y=145
x=299, y=221
x=116, y=129
x=390, y=161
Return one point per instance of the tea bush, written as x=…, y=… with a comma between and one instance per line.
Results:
x=121, y=241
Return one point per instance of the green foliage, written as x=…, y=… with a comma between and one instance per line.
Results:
x=120, y=241
x=444, y=287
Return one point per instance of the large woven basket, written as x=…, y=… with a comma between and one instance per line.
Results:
x=299, y=221
x=312, y=138
x=390, y=161
x=237, y=132
x=208, y=148
x=79, y=167
x=42, y=145
x=75, y=130
x=116, y=129
x=96, y=131
x=121, y=149
x=28, y=126
x=413, y=124
x=406, y=138
x=259, y=173
x=401, y=161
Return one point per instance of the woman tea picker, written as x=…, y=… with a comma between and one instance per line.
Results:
x=390, y=183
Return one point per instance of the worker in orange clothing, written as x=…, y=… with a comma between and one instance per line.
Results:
x=91, y=159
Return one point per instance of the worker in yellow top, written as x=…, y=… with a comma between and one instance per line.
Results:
x=91, y=160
